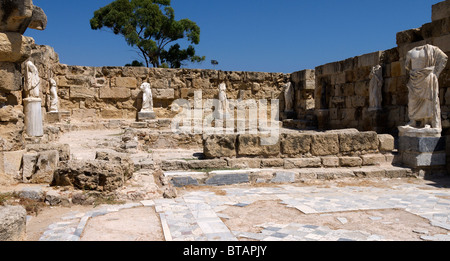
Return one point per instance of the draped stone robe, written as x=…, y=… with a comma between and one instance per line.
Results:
x=147, y=98
x=425, y=63
x=33, y=81
x=375, y=87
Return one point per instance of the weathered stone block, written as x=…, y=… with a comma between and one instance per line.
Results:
x=421, y=144
x=53, y=117
x=251, y=145
x=361, y=141
x=369, y=172
x=305, y=174
x=15, y=47
x=350, y=161
x=255, y=76
x=10, y=77
x=145, y=116
x=386, y=143
x=28, y=165
x=84, y=114
x=207, y=164
x=13, y=221
x=373, y=159
x=115, y=93
x=293, y=145
x=163, y=94
x=54, y=198
x=63, y=149
x=328, y=174
x=219, y=146
x=124, y=82
x=118, y=158
x=83, y=92
x=46, y=164
x=73, y=80
x=302, y=163
x=32, y=193
x=370, y=59
x=330, y=162
x=397, y=172
x=411, y=159
x=244, y=163
x=440, y=10
x=89, y=175
x=324, y=144
x=443, y=43
x=10, y=162
x=38, y=19
x=174, y=165
x=272, y=163
x=11, y=113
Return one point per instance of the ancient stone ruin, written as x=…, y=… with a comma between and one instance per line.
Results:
x=361, y=117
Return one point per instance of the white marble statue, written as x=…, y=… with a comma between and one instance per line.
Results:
x=375, y=88
x=222, y=92
x=54, y=101
x=33, y=102
x=425, y=64
x=289, y=97
x=147, y=98
x=33, y=81
x=223, y=97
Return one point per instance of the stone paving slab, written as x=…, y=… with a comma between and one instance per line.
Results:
x=195, y=217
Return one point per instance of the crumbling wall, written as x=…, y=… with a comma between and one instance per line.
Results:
x=91, y=93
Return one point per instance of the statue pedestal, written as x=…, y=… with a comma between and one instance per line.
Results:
x=421, y=148
x=53, y=117
x=143, y=116
x=33, y=117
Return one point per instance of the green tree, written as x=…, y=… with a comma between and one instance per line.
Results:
x=135, y=63
x=150, y=26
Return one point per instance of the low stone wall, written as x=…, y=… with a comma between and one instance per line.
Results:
x=297, y=145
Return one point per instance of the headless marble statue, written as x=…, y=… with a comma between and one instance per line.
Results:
x=32, y=104
x=147, y=98
x=375, y=87
x=425, y=64
x=289, y=97
x=223, y=101
x=54, y=101
x=33, y=81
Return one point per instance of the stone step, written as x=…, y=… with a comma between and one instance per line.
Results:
x=285, y=163
x=256, y=176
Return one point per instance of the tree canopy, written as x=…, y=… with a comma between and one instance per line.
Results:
x=150, y=26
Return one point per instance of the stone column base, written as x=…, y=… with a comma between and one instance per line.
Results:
x=33, y=117
x=143, y=116
x=53, y=117
x=421, y=148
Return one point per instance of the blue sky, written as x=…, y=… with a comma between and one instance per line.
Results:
x=245, y=35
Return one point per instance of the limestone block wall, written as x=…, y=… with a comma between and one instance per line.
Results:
x=342, y=93
x=304, y=84
x=342, y=88
x=91, y=93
